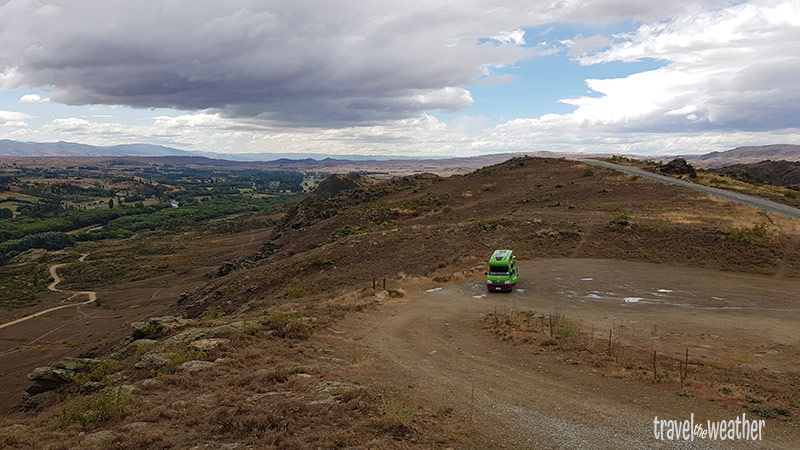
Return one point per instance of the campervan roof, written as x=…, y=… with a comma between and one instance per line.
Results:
x=501, y=257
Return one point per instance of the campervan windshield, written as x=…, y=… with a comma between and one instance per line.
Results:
x=498, y=270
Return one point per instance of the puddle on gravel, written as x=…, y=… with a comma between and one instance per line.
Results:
x=632, y=299
x=433, y=289
x=587, y=279
x=664, y=291
x=520, y=290
x=479, y=296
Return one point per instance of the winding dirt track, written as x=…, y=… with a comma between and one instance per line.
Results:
x=92, y=295
x=514, y=396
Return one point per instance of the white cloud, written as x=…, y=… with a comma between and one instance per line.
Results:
x=728, y=79
x=516, y=37
x=33, y=98
x=728, y=69
x=14, y=119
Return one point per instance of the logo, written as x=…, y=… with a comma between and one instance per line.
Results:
x=736, y=429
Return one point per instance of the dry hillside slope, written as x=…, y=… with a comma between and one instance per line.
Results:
x=543, y=208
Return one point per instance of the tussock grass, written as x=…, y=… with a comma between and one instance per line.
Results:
x=295, y=290
x=96, y=409
x=750, y=235
x=398, y=411
x=289, y=325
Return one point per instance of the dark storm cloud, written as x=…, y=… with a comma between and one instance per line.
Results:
x=297, y=63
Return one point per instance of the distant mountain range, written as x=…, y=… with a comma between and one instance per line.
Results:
x=745, y=155
x=70, y=149
x=16, y=149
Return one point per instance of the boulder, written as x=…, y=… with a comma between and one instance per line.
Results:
x=157, y=326
x=48, y=378
x=397, y=293
x=150, y=383
x=677, y=166
x=77, y=364
x=208, y=344
x=194, y=366
x=152, y=361
x=380, y=296
x=101, y=436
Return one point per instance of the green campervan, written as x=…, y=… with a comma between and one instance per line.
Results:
x=503, y=272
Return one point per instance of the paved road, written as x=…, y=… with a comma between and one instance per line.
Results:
x=744, y=199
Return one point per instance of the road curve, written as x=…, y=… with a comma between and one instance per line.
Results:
x=52, y=287
x=749, y=200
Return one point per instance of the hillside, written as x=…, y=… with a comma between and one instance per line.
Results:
x=745, y=155
x=541, y=207
x=298, y=345
x=779, y=173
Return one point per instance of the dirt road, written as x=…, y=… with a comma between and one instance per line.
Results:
x=52, y=287
x=433, y=346
x=744, y=199
x=73, y=329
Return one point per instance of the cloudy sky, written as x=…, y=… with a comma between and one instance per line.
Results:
x=416, y=78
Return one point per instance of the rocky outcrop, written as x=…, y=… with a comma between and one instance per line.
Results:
x=48, y=379
x=156, y=327
x=336, y=184
x=195, y=334
x=677, y=166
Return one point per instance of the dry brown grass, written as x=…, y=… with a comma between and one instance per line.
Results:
x=615, y=354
